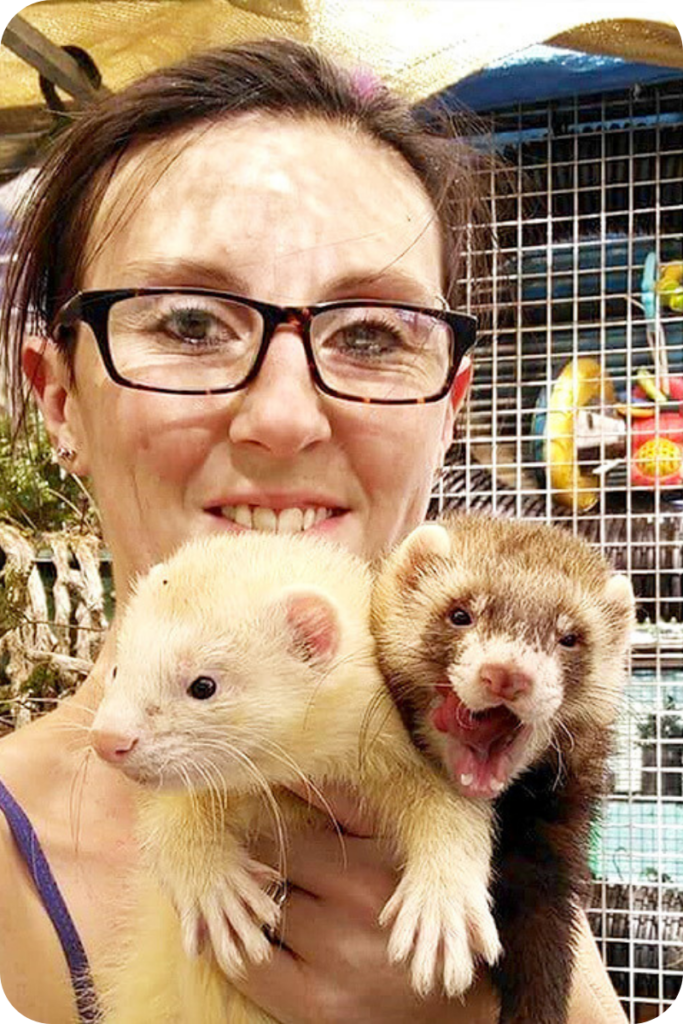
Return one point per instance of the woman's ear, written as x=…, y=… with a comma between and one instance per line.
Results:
x=461, y=384
x=49, y=378
x=463, y=379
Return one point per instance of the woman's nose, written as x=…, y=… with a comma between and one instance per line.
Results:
x=281, y=410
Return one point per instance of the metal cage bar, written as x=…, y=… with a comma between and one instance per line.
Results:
x=597, y=188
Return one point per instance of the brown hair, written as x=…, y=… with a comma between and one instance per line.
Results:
x=284, y=78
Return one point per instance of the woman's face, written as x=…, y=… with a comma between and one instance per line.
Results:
x=289, y=213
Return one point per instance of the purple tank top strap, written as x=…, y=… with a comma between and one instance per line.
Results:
x=36, y=862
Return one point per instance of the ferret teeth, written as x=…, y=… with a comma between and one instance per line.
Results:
x=466, y=780
x=287, y=520
x=497, y=786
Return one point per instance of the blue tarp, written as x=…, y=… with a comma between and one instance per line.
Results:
x=542, y=73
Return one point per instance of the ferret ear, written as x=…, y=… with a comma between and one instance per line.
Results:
x=419, y=547
x=428, y=539
x=619, y=592
x=313, y=622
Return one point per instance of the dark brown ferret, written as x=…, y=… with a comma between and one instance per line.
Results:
x=504, y=645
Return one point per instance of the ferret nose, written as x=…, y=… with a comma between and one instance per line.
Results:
x=112, y=746
x=504, y=682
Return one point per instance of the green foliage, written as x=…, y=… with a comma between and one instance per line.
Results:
x=35, y=492
x=670, y=725
x=12, y=599
x=46, y=683
x=37, y=694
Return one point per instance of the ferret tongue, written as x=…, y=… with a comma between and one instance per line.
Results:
x=477, y=753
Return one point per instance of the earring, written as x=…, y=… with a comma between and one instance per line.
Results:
x=65, y=454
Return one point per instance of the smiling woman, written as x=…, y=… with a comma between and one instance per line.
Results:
x=240, y=276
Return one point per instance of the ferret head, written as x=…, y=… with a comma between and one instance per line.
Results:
x=498, y=639
x=219, y=666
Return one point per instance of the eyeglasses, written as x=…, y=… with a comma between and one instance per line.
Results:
x=194, y=341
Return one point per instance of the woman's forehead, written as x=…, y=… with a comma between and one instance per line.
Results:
x=265, y=200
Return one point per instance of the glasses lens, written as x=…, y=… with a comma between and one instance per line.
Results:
x=382, y=352
x=182, y=341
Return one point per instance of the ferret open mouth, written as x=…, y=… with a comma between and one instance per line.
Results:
x=483, y=748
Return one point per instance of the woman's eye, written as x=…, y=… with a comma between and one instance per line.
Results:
x=197, y=326
x=460, y=617
x=367, y=340
x=191, y=323
x=202, y=688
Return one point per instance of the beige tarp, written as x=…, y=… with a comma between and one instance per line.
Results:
x=419, y=45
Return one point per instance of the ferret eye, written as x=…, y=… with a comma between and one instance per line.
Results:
x=202, y=688
x=460, y=617
x=569, y=640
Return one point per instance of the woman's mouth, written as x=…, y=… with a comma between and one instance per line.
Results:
x=282, y=520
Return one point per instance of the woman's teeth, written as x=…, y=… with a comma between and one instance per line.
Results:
x=287, y=520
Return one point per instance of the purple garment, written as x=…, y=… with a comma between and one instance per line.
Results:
x=36, y=862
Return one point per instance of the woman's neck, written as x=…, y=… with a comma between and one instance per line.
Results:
x=90, y=692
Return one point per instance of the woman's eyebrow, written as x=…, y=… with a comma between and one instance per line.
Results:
x=391, y=282
x=183, y=272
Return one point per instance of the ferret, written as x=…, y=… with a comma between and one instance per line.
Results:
x=245, y=663
x=504, y=645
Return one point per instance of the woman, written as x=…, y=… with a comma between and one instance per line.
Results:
x=264, y=173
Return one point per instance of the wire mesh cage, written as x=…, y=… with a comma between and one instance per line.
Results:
x=576, y=417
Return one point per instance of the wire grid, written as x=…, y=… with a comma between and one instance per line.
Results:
x=592, y=187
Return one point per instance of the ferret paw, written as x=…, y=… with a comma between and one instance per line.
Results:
x=441, y=928
x=230, y=916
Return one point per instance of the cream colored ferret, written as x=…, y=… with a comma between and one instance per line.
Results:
x=245, y=663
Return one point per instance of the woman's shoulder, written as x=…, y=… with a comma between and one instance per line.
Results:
x=26, y=756
x=32, y=966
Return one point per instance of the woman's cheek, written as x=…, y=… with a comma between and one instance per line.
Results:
x=400, y=484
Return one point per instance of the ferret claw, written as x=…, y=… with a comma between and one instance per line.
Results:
x=440, y=928
x=230, y=916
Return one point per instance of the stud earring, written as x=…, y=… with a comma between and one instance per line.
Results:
x=65, y=454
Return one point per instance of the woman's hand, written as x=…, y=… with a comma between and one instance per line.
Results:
x=334, y=967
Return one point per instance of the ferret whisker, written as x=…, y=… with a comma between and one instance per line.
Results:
x=264, y=789
x=560, y=764
x=187, y=784
x=311, y=789
x=279, y=752
x=381, y=701
x=353, y=658
x=572, y=742
x=76, y=794
x=217, y=808
x=70, y=727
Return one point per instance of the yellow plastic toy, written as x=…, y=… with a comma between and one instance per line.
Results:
x=582, y=382
x=669, y=286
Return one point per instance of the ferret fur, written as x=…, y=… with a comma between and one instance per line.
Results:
x=281, y=625
x=544, y=608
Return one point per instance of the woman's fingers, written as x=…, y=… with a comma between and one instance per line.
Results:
x=347, y=869
x=333, y=966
